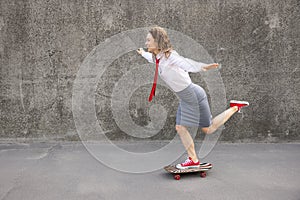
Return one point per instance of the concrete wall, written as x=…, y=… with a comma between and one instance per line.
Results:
x=43, y=43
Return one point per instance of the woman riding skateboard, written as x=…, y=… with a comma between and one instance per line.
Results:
x=193, y=109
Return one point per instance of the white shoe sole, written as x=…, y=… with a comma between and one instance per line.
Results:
x=240, y=102
x=178, y=166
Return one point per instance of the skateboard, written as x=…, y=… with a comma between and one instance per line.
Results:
x=202, y=169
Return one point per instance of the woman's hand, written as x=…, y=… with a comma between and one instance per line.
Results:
x=140, y=51
x=210, y=66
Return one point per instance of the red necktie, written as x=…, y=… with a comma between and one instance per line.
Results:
x=154, y=81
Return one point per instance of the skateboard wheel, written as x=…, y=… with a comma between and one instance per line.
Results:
x=177, y=177
x=202, y=174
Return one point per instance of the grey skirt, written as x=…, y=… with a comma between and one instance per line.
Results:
x=193, y=109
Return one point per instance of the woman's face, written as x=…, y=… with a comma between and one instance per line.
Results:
x=150, y=43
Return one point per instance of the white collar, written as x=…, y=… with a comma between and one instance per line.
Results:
x=161, y=54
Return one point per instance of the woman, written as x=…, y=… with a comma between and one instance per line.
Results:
x=193, y=109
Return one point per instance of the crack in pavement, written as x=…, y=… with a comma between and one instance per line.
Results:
x=20, y=173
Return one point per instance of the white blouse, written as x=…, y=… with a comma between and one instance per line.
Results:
x=174, y=70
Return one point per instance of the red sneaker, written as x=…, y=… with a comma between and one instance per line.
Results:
x=239, y=104
x=188, y=164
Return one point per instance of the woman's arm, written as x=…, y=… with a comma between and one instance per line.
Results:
x=210, y=66
x=190, y=65
x=146, y=55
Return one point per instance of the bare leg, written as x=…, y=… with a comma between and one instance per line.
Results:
x=187, y=141
x=220, y=120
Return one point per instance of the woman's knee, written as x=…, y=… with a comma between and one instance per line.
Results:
x=206, y=130
x=180, y=128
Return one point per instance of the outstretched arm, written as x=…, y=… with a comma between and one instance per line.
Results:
x=210, y=66
x=195, y=66
x=146, y=55
x=190, y=65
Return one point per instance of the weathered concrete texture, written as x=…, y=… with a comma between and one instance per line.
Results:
x=43, y=43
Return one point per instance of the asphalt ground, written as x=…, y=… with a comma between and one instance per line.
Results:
x=66, y=170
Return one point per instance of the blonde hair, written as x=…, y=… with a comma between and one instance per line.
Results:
x=160, y=36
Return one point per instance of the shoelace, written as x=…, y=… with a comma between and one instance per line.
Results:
x=188, y=161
